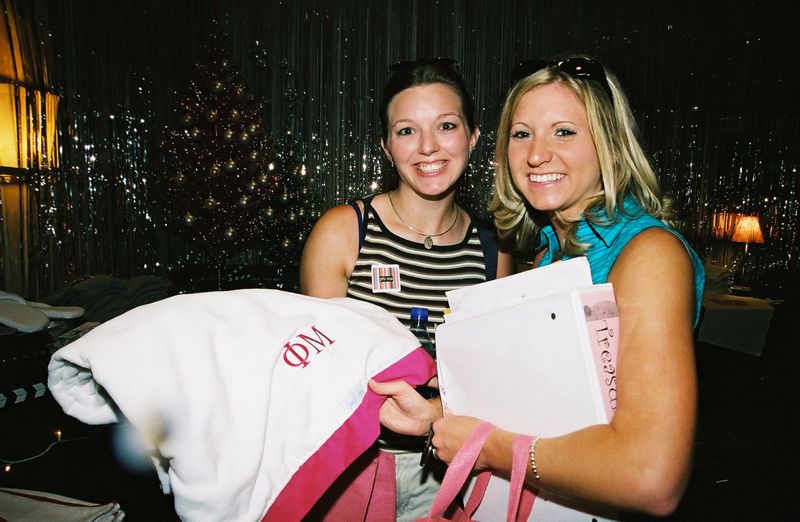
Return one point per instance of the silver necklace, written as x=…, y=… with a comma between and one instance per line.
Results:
x=428, y=241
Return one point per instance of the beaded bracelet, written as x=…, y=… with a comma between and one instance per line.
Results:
x=534, y=470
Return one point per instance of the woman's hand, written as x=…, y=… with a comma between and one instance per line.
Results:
x=449, y=434
x=404, y=410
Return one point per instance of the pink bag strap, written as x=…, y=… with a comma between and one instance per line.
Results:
x=459, y=471
x=369, y=496
x=475, y=497
x=382, y=502
x=520, y=499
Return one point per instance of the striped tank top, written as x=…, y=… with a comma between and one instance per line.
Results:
x=425, y=275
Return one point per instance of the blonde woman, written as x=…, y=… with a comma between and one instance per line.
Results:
x=572, y=178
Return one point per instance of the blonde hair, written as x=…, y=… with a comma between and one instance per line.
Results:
x=624, y=166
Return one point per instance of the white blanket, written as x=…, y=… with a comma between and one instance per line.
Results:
x=24, y=504
x=256, y=399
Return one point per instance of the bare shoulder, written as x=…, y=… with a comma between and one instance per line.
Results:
x=330, y=253
x=337, y=229
x=338, y=218
x=655, y=270
x=655, y=249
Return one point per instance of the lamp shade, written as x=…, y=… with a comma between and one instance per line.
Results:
x=28, y=134
x=747, y=230
x=28, y=105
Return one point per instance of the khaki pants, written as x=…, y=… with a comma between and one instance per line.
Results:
x=416, y=487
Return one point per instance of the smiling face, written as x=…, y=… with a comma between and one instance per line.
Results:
x=551, y=154
x=428, y=139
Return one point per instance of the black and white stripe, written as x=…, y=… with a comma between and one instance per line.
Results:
x=425, y=275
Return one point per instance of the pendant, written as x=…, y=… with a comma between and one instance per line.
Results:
x=428, y=242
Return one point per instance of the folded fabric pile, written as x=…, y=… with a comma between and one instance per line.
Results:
x=104, y=297
x=718, y=281
x=252, y=401
x=23, y=504
x=29, y=316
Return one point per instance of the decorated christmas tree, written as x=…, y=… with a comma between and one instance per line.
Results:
x=225, y=188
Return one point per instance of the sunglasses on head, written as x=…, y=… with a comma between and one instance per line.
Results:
x=410, y=64
x=578, y=67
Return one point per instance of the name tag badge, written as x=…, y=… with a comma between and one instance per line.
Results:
x=385, y=278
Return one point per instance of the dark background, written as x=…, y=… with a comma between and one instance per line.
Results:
x=713, y=85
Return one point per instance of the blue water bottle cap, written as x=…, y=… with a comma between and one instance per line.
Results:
x=419, y=313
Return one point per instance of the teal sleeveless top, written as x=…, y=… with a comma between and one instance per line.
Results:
x=607, y=242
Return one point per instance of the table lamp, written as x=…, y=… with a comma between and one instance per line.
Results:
x=747, y=230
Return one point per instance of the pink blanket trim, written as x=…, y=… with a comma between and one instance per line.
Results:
x=349, y=441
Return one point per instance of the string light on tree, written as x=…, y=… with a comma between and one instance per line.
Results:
x=208, y=168
x=226, y=188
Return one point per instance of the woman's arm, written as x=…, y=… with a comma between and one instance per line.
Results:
x=505, y=264
x=330, y=254
x=642, y=460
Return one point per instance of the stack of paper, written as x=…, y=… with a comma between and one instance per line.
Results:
x=532, y=353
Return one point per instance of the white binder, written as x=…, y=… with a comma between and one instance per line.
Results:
x=522, y=353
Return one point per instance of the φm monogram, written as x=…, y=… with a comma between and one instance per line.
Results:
x=297, y=352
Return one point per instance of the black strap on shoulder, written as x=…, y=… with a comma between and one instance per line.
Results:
x=486, y=233
x=488, y=238
x=362, y=222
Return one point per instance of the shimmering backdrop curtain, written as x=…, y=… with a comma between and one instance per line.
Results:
x=713, y=85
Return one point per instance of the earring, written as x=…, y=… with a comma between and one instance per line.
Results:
x=391, y=162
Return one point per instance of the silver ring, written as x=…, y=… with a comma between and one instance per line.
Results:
x=433, y=452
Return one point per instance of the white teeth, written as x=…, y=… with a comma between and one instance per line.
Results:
x=544, y=178
x=430, y=167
